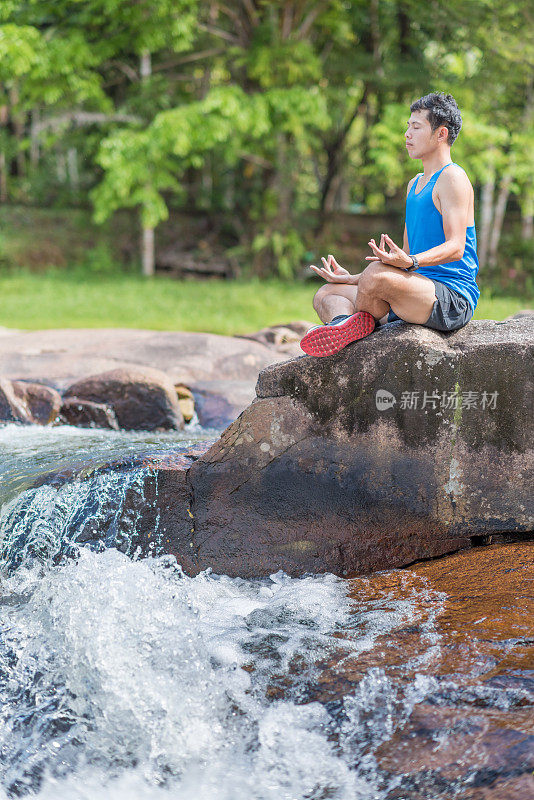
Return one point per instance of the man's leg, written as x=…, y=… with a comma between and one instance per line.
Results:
x=409, y=295
x=334, y=299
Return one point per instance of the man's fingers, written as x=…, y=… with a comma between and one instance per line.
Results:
x=323, y=273
x=391, y=243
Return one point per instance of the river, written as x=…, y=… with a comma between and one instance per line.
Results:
x=121, y=677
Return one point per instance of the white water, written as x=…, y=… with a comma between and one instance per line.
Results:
x=123, y=678
x=130, y=676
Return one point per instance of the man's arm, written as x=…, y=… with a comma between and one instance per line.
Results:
x=454, y=196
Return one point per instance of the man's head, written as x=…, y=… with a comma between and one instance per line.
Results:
x=435, y=121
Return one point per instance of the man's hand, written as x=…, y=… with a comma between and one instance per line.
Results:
x=332, y=272
x=396, y=257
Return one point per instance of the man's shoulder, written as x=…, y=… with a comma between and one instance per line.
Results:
x=454, y=175
x=411, y=181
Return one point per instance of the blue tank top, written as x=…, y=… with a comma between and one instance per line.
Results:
x=424, y=225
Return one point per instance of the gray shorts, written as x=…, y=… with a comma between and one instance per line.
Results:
x=450, y=311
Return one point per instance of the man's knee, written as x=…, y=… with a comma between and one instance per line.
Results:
x=374, y=277
x=322, y=292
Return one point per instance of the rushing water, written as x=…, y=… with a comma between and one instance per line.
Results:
x=121, y=677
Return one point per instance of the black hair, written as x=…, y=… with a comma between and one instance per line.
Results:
x=442, y=110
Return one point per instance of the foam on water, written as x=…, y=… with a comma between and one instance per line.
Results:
x=29, y=451
x=128, y=675
x=122, y=677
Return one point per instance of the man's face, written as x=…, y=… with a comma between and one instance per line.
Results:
x=419, y=137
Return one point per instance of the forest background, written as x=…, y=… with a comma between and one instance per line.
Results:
x=218, y=148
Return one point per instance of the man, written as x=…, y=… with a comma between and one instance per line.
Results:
x=431, y=280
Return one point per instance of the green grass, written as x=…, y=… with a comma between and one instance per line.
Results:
x=59, y=299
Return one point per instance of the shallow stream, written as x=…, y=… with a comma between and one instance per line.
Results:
x=121, y=677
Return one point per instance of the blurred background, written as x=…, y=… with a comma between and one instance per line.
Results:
x=178, y=164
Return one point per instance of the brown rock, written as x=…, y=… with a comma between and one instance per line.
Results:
x=524, y=312
x=218, y=403
x=142, y=398
x=12, y=408
x=86, y=414
x=278, y=335
x=186, y=401
x=61, y=357
x=42, y=403
x=320, y=474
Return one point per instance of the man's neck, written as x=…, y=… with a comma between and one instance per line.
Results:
x=434, y=161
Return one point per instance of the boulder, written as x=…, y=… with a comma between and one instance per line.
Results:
x=12, y=407
x=218, y=403
x=186, y=401
x=142, y=398
x=524, y=312
x=406, y=445
x=42, y=403
x=128, y=520
x=86, y=414
x=281, y=335
x=62, y=357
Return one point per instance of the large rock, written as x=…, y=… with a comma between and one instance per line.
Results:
x=218, y=403
x=142, y=398
x=406, y=445
x=222, y=369
x=42, y=403
x=61, y=357
x=86, y=414
x=12, y=407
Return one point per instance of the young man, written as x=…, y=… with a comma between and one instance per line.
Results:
x=431, y=280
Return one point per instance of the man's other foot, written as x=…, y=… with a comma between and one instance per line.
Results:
x=323, y=340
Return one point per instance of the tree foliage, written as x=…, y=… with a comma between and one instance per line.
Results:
x=271, y=113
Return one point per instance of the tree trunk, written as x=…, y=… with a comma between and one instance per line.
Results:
x=527, y=226
x=34, y=146
x=72, y=168
x=18, y=129
x=148, y=252
x=283, y=184
x=145, y=66
x=498, y=218
x=3, y=160
x=335, y=158
x=61, y=167
x=3, y=178
x=486, y=215
x=527, y=214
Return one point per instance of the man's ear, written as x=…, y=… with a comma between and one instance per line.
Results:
x=443, y=133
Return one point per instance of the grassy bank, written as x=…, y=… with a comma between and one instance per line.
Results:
x=62, y=300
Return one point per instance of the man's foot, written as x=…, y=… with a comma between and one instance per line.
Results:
x=323, y=340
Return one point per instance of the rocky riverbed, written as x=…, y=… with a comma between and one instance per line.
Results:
x=135, y=379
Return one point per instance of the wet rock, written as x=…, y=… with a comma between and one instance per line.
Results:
x=86, y=414
x=218, y=403
x=396, y=449
x=12, y=407
x=42, y=403
x=280, y=335
x=142, y=398
x=120, y=504
x=524, y=312
x=62, y=357
x=186, y=401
